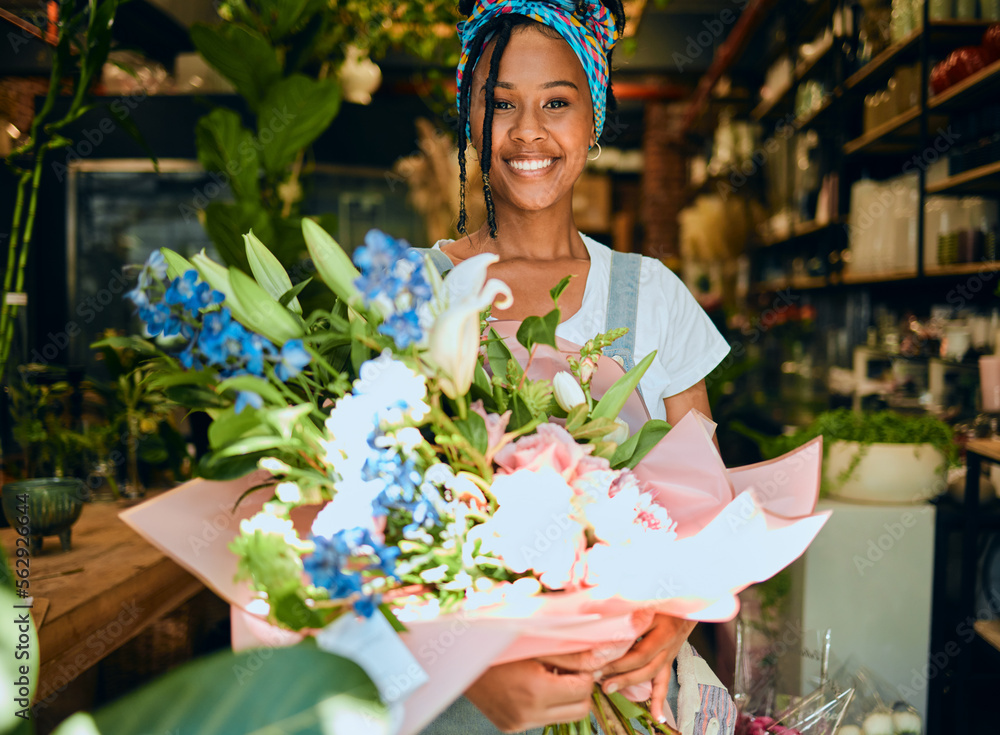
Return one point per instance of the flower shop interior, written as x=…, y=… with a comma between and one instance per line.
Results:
x=824, y=176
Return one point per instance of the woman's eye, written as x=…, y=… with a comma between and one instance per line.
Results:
x=558, y=103
x=502, y=105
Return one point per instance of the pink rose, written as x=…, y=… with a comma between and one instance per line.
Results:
x=553, y=447
x=496, y=425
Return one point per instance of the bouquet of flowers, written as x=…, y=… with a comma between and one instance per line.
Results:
x=396, y=457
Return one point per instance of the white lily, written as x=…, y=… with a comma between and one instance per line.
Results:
x=620, y=434
x=453, y=345
x=568, y=392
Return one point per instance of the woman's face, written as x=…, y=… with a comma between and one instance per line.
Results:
x=543, y=119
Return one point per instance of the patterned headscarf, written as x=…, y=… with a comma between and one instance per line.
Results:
x=590, y=37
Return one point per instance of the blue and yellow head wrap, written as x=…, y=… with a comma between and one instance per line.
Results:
x=590, y=36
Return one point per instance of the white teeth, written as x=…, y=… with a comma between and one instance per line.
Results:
x=533, y=165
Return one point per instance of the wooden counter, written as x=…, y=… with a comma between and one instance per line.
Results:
x=92, y=599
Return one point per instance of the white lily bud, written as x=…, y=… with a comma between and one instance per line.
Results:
x=849, y=730
x=567, y=391
x=454, y=348
x=619, y=434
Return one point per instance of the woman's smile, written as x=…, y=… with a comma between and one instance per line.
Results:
x=532, y=168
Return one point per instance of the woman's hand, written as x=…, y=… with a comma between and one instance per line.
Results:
x=650, y=659
x=525, y=694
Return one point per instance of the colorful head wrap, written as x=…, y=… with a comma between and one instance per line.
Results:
x=590, y=37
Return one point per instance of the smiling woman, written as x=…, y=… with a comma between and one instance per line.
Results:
x=532, y=109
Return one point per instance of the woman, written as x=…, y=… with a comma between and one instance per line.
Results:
x=533, y=109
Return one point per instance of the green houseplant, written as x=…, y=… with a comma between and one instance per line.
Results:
x=883, y=456
x=282, y=58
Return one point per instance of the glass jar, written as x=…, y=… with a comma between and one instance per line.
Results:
x=942, y=9
x=965, y=9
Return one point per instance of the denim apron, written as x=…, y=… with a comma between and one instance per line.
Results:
x=699, y=702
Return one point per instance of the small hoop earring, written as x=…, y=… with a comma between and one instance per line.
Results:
x=599, y=152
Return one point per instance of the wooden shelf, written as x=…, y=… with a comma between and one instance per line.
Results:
x=853, y=279
x=963, y=269
x=945, y=35
x=985, y=179
x=882, y=66
x=802, y=230
x=886, y=137
x=971, y=91
x=805, y=66
x=812, y=117
x=989, y=631
x=799, y=283
x=774, y=105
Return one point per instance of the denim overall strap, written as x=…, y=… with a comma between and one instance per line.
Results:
x=441, y=261
x=623, y=306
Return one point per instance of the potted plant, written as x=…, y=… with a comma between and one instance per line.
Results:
x=48, y=498
x=880, y=457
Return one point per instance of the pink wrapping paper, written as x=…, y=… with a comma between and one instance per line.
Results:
x=735, y=528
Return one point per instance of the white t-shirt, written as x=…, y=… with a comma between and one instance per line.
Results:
x=669, y=320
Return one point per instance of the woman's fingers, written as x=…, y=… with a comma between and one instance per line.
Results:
x=640, y=675
x=583, y=662
x=661, y=683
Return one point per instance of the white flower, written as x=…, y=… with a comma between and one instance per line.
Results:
x=568, y=392
x=618, y=435
x=273, y=465
x=267, y=523
x=396, y=391
x=434, y=574
x=533, y=527
x=453, y=346
x=351, y=507
x=288, y=492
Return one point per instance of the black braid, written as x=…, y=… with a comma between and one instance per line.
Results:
x=503, y=27
x=486, y=157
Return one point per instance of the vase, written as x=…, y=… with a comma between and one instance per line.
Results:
x=46, y=506
x=359, y=76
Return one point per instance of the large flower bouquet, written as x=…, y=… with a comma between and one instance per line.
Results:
x=398, y=457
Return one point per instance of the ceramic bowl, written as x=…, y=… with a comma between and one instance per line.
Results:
x=47, y=506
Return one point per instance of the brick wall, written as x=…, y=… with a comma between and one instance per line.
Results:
x=663, y=181
x=17, y=103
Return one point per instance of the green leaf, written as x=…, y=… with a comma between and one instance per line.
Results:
x=539, y=330
x=132, y=342
x=162, y=381
x=250, y=445
x=291, y=609
x=577, y=417
x=520, y=414
x=498, y=354
x=269, y=272
x=229, y=693
x=595, y=429
x=612, y=402
x=359, y=352
x=263, y=314
x=177, y=265
x=224, y=145
x=227, y=468
x=630, y=709
x=556, y=292
x=132, y=130
x=225, y=223
x=242, y=56
x=230, y=426
x=473, y=428
x=481, y=380
x=296, y=111
x=293, y=292
x=252, y=383
x=391, y=617
x=332, y=263
x=636, y=447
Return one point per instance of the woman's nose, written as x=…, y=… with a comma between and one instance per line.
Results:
x=528, y=126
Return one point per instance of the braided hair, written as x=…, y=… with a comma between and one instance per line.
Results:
x=500, y=29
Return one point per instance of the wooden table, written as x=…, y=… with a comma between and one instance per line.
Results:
x=92, y=599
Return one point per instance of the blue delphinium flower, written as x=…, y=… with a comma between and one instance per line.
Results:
x=292, y=359
x=338, y=565
x=182, y=288
x=404, y=328
x=247, y=398
x=154, y=270
x=394, y=279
